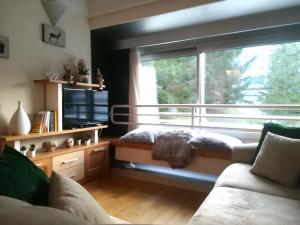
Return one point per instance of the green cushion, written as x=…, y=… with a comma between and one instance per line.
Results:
x=22, y=179
x=290, y=132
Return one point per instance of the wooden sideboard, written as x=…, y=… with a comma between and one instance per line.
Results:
x=80, y=162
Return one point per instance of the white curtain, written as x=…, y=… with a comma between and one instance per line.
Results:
x=134, y=70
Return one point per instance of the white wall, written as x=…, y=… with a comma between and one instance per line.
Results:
x=21, y=21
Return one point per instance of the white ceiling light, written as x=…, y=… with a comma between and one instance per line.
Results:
x=54, y=9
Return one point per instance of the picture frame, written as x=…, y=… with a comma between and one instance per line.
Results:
x=54, y=35
x=4, y=47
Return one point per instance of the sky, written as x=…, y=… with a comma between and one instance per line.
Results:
x=260, y=65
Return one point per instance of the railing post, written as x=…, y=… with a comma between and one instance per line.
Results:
x=193, y=115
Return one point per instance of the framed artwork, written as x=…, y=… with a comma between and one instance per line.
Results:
x=4, y=47
x=54, y=35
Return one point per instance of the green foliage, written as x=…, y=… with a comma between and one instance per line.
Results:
x=223, y=82
x=176, y=80
x=23, y=148
x=283, y=80
x=32, y=147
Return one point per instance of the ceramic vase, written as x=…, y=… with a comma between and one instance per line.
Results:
x=19, y=123
x=24, y=152
x=31, y=153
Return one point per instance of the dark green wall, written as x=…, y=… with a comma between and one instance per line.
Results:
x=114, y=65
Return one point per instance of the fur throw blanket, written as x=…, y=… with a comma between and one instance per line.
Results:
x=173, y=147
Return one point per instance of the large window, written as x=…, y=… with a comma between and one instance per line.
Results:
x=259, y=75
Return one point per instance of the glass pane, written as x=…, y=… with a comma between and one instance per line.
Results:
x=168, y=81
x=256, y=75
x=176, y=79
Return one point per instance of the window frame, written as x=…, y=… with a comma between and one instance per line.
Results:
x=270, y=36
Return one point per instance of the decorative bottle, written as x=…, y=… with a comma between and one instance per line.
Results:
x=19, y=123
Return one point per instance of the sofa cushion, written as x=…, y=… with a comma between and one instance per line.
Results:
x=291, y=132
x=38, y=215
x=7, y=202
x=22, y=179
x=68, y=195
x=238, y=175
x=234, y=206
x=279, y=159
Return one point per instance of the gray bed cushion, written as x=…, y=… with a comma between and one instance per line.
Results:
x=140, y=135
x=214, y=141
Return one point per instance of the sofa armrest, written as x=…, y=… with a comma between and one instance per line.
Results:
x=243, y=153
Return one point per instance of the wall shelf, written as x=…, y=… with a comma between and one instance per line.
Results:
x=77, y=84
x=8, y=138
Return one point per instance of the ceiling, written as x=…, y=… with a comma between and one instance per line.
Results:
x=100, y=7
x=192, y=12
x=197, y=15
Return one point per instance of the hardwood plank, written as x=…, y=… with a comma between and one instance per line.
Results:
x=144, y=202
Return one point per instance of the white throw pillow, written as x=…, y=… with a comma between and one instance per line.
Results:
x=279, y=159
x=68, y=195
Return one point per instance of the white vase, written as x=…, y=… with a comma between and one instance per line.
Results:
x=19, y=123
x=31, y=153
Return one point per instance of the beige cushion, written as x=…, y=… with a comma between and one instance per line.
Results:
x=68, y=195
x=232, y=206
x=244, y=153
x=279, y=159
x=37, y=215
x=7, y=202
x=238, y=175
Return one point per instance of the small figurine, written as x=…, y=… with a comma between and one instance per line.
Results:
x=70, y=142
x=52, y=75
x=100, y=80
x=68, y=76
x=49, y=146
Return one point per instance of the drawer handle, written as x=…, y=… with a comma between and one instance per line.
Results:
x=69, y=161
x=99, y=149
x=73, y=176
x=39, y=164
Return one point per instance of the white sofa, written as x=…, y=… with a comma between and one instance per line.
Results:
x=240, y=197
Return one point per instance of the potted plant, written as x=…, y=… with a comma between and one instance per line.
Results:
x=83, y=72
x=32, y=150
x=23, y=150
x=87, y=139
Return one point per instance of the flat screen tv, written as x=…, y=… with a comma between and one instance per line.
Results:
x=82, y=108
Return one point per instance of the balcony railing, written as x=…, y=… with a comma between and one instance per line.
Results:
x=198, y=115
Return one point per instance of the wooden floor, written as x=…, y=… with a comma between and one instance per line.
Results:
x=144, y=202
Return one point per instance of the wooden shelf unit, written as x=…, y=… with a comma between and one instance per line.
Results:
x=62, y=151
x=73, y=83
x=95, y=164
x=9, y=138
